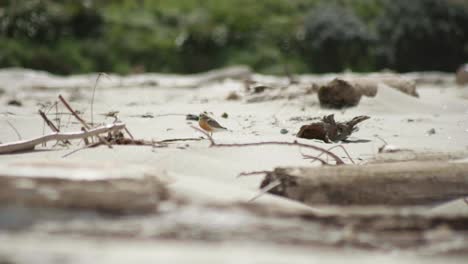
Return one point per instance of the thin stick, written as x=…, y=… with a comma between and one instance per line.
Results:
x=313, y=158
x=250, y=173
x=330, y=149
x=73, y=112
x=265, y=189
x=85, y=147
x=212, y=143
x=337, y=159
x=24, y=145
x=179, y=139
x=48, y=122
x=65, y=103
x=94, y=92
x=14, y=129
x=129, y=134
x=51, y=124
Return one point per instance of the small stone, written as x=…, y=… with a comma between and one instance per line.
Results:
x=284, y=131
x=233, y=96
x=224, y=115
x=431, y=131
x=15, y=102
x=260, y=88
x=191, y=117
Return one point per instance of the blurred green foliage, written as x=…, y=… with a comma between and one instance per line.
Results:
x=123, y=36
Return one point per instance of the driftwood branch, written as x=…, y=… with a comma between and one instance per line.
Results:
x=25, y=145
x=399, y=183
x=337, y=159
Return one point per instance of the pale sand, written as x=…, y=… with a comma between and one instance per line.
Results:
x=204, y=174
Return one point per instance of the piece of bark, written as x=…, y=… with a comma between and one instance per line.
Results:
x=67, y=185
x=339, y=94
x=329, y=130
x=399, y=183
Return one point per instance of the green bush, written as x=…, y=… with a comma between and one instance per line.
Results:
x=422, y=35
x=336, y=39
x=124, y=36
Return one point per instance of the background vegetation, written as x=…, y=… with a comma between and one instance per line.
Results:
x=271, y=36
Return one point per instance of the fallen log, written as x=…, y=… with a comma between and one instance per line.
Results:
x=66, y=185
x=398, y=183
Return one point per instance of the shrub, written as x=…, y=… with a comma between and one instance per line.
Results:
x=336, y=39
x=423, y=35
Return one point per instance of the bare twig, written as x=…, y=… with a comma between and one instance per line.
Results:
x=24, y=145
x=65, y=103
x=179, y=139
x=265, y=189
x=50, y=124
x=315, y=158
x=94, y=92
x=73, y=112
x=329, y=149
x=250, y=173
x=212, y=143
x=85, y=147
x=129, y=134
x=337, y=159
x=14, y=129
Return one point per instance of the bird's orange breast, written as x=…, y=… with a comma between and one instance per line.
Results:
x=204, y=124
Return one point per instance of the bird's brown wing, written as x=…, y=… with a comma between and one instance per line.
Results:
x=213, y=123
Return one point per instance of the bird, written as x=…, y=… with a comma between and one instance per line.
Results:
x=209, y=124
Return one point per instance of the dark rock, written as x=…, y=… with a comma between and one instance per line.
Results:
x=338, y=94
x=233, y=96
x=191, y=117
x=15, y=102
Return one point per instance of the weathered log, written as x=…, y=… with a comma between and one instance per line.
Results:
x=399, y=183
x=98, y=187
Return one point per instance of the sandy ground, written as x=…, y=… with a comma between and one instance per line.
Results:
x=208, y=175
